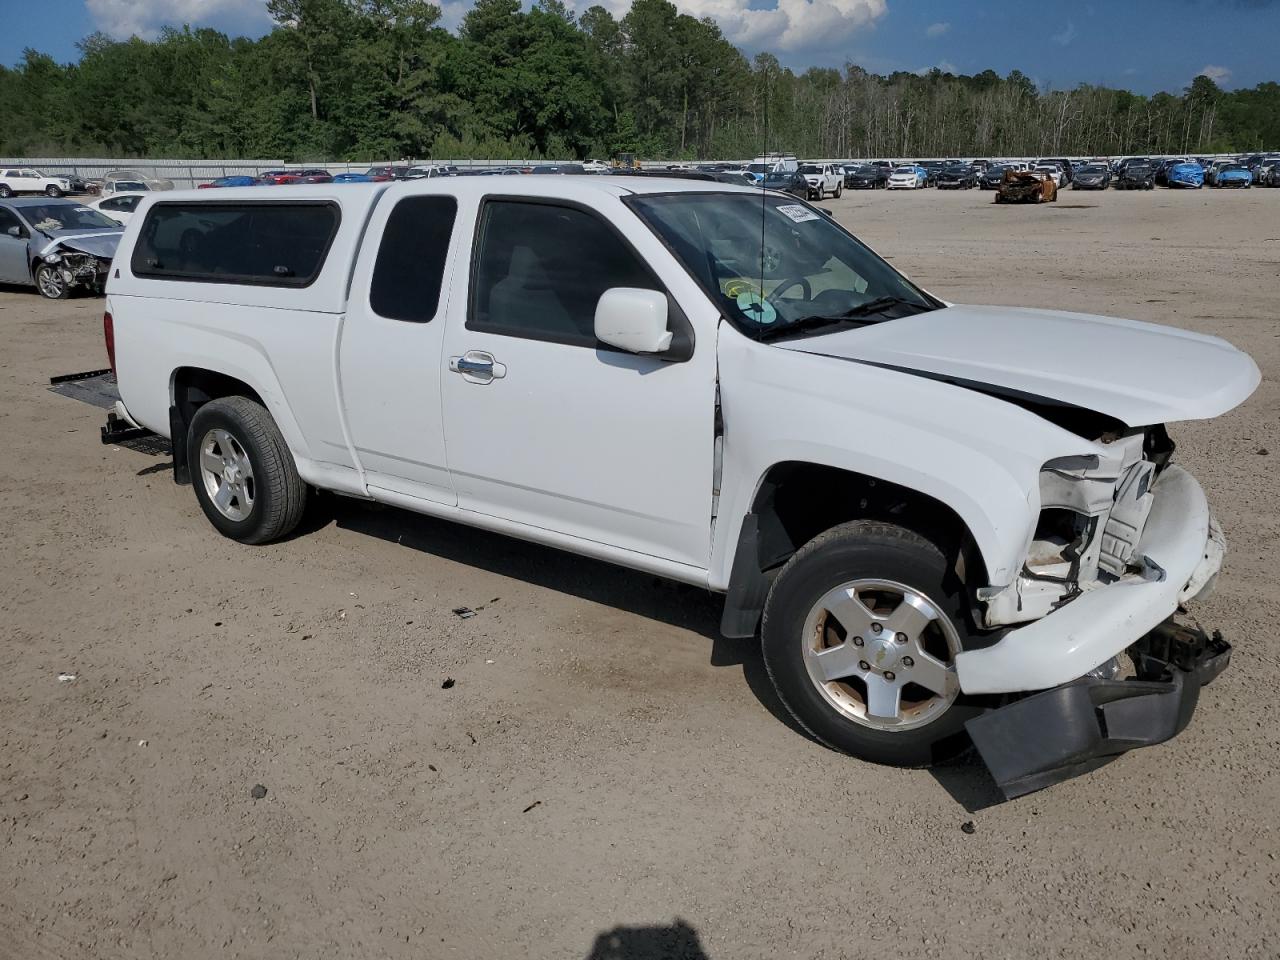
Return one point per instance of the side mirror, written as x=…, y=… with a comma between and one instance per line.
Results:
x=633, y=320
x=15, y=232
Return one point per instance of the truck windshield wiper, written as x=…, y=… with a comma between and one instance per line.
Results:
x=877, y=305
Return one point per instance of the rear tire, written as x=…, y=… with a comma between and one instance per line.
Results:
x=243, y=471
x=5, y=191
x=877, y=678
x=839, y=190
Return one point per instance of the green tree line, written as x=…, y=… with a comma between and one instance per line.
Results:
x=371, y=79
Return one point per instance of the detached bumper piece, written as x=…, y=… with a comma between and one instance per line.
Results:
x=1062, y=733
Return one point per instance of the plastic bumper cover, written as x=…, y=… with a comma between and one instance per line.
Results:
x=1061, y=733
x=1102, y=622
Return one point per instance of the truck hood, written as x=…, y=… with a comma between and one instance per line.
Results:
x=1138, y=373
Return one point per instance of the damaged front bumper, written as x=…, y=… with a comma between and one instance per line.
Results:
x=1179, y=553
x=1061, y=733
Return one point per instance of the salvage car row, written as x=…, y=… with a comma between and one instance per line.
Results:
x=1128, y=173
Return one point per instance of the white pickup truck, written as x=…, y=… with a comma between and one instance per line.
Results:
x=945, y=522
x=823, y=179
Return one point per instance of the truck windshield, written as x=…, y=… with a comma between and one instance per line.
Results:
x=775, y=265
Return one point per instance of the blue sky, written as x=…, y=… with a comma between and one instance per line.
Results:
x=1144, y=45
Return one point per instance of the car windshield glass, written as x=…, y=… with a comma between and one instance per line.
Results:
x=772, y=263
x=778, y=177
x=905, y=170
x=759, y=167
x=48, y=217
x=129, y=185
x=811, y=168
x=1093, y=169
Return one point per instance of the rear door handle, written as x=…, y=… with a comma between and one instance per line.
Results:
x=478, y=366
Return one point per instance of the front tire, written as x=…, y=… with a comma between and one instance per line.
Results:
x=5, y=191
x=53, y=191
x=243, y=472
x=860, y=633
x=51, y=283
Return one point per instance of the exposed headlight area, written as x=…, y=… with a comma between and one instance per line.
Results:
x=1093, y=512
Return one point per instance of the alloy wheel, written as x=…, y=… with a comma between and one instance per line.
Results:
x=882, y=654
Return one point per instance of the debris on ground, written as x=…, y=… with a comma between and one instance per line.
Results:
x=66, y=678
x=1263, y=451
x=464, y=613
x=258, y=791
x=448, y=682
x=143, y=743
x=967, y=827
x=536, y=803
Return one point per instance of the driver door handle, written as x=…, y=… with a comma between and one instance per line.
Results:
x=478, y=366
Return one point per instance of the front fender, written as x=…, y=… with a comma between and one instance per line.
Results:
x=979, y=455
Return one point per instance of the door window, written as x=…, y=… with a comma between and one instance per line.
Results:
x=7, y=220
x=541, y=268
x=411, y=257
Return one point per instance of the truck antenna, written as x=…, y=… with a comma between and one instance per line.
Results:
x=764, y=157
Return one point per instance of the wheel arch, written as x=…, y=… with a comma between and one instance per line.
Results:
x=191, y=387
x=796, y=500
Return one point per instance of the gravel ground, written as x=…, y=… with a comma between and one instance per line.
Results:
x=604, y=777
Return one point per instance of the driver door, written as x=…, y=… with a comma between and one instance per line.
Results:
x=549, y=428
x=13, y=250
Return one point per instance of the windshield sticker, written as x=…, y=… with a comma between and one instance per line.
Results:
x=796, y=212
x=733, y=288
x=754, y=307
x=82, y=210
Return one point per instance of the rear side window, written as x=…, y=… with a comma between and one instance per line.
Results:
x=410, y=267
x=277, y=244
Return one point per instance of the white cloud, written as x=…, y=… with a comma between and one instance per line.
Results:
x=1069, y=33
x=787, y=27
x=1216, y=74
x=936, y=29
x=946, y=66
x=125, y=18
x=452, y=12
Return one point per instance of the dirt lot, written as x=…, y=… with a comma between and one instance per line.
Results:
x=605, y=778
